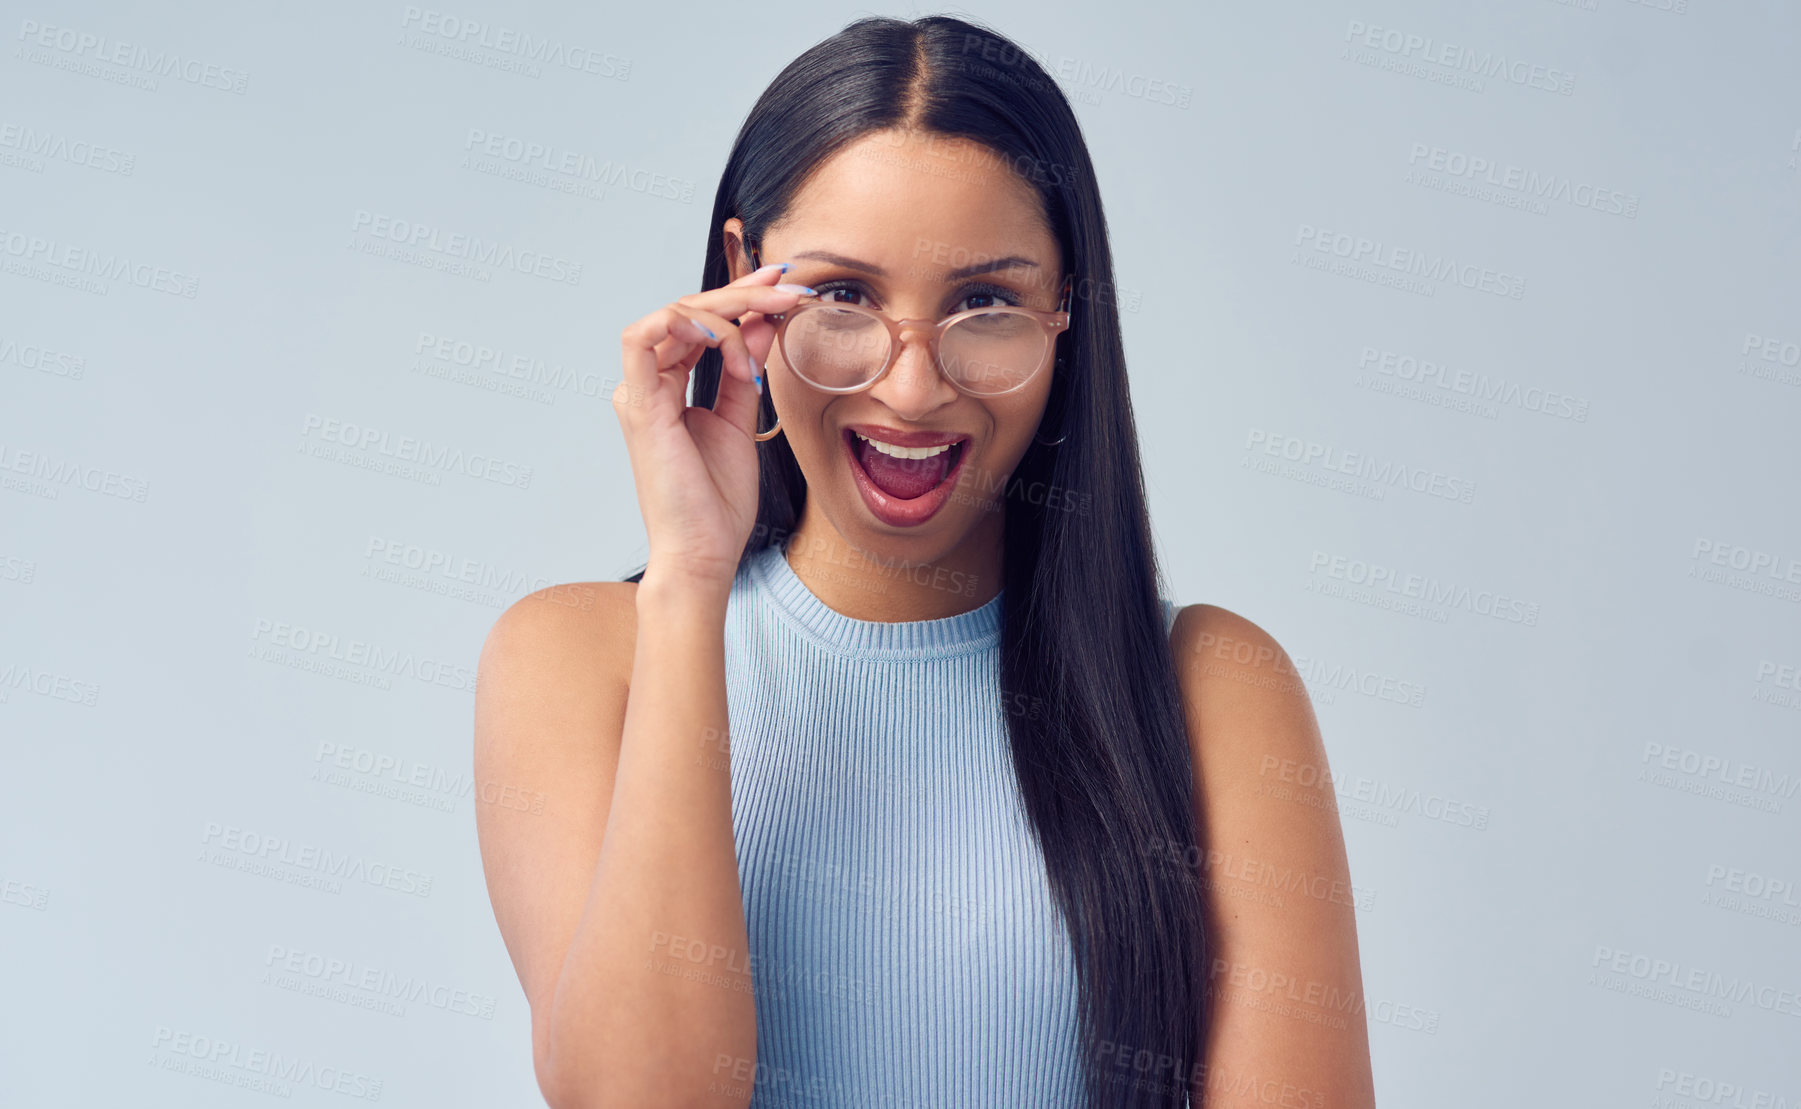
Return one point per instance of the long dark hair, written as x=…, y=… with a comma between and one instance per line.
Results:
x=1100, y=746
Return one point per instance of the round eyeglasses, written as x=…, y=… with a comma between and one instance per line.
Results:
x=985, y=352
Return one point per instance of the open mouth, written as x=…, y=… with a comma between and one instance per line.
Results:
x=905, y=473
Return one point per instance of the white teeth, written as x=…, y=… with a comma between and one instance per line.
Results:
x=903, y=452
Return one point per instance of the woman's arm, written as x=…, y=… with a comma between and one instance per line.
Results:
x=619, y=902
x=1285, y=987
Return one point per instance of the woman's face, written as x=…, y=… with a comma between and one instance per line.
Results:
x=917, y=227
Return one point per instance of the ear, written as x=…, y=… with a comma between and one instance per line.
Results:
x=737, y=258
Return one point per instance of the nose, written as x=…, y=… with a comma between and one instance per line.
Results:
x=913, y=387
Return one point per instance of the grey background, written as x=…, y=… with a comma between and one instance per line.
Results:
x=142, y=716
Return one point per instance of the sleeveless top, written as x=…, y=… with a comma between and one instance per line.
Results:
x=904, y=947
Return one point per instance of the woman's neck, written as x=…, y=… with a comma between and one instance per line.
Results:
x=892, y=585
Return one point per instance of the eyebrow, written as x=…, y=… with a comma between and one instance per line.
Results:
x=1009, y=262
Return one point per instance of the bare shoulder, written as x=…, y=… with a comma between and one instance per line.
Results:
x=577, y=624
x=551, y=683
x=1235, y=676
x=550, y=702
x=1285, y=981
x=551, y=688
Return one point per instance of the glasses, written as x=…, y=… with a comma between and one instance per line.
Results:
x=985, y=352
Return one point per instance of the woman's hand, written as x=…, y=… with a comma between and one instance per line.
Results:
x=696, y=468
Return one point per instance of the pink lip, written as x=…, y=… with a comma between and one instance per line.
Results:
x=891, y=510
x=906, y=438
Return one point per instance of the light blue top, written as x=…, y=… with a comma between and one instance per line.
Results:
x=904, y=945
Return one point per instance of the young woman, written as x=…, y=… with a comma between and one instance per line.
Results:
x=891, y=779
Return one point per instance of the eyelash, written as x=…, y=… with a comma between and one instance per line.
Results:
x=976, y=288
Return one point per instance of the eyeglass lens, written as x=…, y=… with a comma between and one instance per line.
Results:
x=985, y=352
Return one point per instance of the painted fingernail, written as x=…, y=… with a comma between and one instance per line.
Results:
x=783, y=266
x=706, y=329
x=759, y=380
x=803, y=290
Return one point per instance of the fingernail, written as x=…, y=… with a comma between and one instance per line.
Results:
x=759, y=380
x=803, y=290
x=706, y=329
x=756, y=372
x=783, y=266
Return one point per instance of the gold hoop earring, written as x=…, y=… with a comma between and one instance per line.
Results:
x=766, y=436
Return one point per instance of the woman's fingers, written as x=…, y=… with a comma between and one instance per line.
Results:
x=736, y=404
x=645, y=345
x=660, y=350
x=740, y=361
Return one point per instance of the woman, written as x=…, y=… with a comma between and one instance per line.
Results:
x=893, y=725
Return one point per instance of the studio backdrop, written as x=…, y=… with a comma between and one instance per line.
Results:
x=1465, y=348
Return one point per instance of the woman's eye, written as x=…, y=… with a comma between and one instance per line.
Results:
x=832, y=294
x=985, y=299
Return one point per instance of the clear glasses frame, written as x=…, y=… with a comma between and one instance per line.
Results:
x=1052, y=324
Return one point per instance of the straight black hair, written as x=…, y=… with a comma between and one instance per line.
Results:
x=1099, y=743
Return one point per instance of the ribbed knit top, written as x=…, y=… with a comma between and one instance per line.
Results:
x=904, y=946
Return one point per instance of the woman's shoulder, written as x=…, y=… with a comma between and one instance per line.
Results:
x=1219, y=632
x=583, y=630
x=1242, y=693
x=1266, y=812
